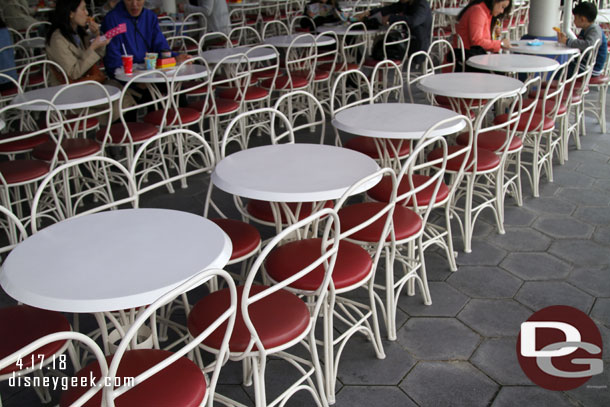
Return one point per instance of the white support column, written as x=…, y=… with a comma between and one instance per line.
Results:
x=544, y=15
x=169, y=6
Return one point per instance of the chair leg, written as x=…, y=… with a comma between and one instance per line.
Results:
x=467, y=232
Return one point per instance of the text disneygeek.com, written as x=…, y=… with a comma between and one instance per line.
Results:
x=63, y=383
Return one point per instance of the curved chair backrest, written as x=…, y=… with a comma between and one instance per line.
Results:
x=341, y=99
x=80, y=187
x=50, y=73
x=311, y=116
x=274, y=28
x=183, y=44
x=354, y=47
x=244, y=36
x=387, y=82
x=442, y=54
x=15, y=231
x=168, y=157
x=419, y=66
x=198, y=29
x=301, y=58
x=37, y=29
x=398, y=35
x=214, y=40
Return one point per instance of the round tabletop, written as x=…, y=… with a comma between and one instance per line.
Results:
x=469, y=85
x=187, y=73
x=167, y=23
x=448, y=11
x=78, y=97
x=293, y=172
x=112, y=260
x=546, y=48
x=284, y=41
x=395, y=120
x=214, y=56
x=342, y=30
x=518, y=63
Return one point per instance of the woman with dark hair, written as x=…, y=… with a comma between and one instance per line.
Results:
x=476, y=22
x=69, y=44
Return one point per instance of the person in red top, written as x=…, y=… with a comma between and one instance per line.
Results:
x=475, y=24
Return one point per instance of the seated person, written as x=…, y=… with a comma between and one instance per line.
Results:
x=584, y=18
x=321, y=12
x=416, y=13
x=109, y=5
x=475, y=24
x=70, y=46
x=7, y=58
x=17, y=14
x=143, y=35
x=216, y=12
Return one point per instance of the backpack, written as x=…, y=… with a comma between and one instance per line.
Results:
x=394, y=52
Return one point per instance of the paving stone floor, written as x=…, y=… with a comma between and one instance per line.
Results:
x=461, y=350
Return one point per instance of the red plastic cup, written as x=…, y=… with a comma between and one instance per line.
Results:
x=127, y=64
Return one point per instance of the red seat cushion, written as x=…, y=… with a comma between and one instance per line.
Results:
x=138, y=131
x=180, y=384
x=9, y=92
x=25, y=144
x=352, y=266
x=537, y=119
x=73, y=147
x=366, y=145
x=283, y=82
x=277, y=318
x=195, y=92
x=548, y=106
x=321, y=74
x=22, y=326
x=492, y=140
x=486, y=160
x=223, y=106
x=245, y=238
x=187, y=115
x=252, y=93
x=382, y=191
x=265, y=74
x=262, y=210
x=599, y=80
x=406, y=222
x=371, y=62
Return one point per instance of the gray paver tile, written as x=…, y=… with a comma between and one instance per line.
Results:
x=366, y=396
x=521, y=240
x=446, y=302
x=360, y=366
x=535, y=266
x=530, y=396
x=518, y=216
x=582, y=156
x=461, y=384
x=493, y=318
x=602, y=235
x=601, y=311
x=561, y=227
x=585, y=196
x=594, y=281
x=485, y=282
x=437, y=268
x=497, y=357
x=483, y=254
x=566, y=178
x=595, y=170
x=594, y=393
x=426, y=338
x=594, y=215
x=538, y=294
x=581, y=252
x=602, y=184
x=546, y=205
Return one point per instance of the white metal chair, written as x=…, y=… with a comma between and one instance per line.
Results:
x=43, y=73
x=274, y=28
x=273, y=320
x=387, y=82
x=14, y=230
x=397, y=36
x=183, y=44
x=355, y=269
x=80, y=187
x=200, y=27
x=214, y=40
x=164, y=377
x=304, y=111
x=244, y=36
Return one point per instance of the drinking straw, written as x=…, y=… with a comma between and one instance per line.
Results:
x=124, y=49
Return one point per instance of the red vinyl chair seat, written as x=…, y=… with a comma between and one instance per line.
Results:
x=382, y=191
x=138, y=131
x=9, y=92
x=252, y=93
x=245, y=238
x=371, y=62
x=23, y=325
x=548, y=123
x=283, y=82
x=223, y=106
x=406, y=222
x=187, y=115
x=599, y=80
x=278, y=318
x=180, y=384
x=366, y=145
x=353, y=264
x=25, y=144
x=492, y=141
x=73, y=147
x=262, y=210
x=486, y=160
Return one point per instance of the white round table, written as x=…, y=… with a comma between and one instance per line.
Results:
x=469, y=85
x=214, y=56
x=342, y=30
x=395, y=120
x=75, y=98
x=293, y=172
x=284, y=41
x=186, y=73
x=32, y=43
x=546, y=48
x=513, y=63
x=112, y=260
